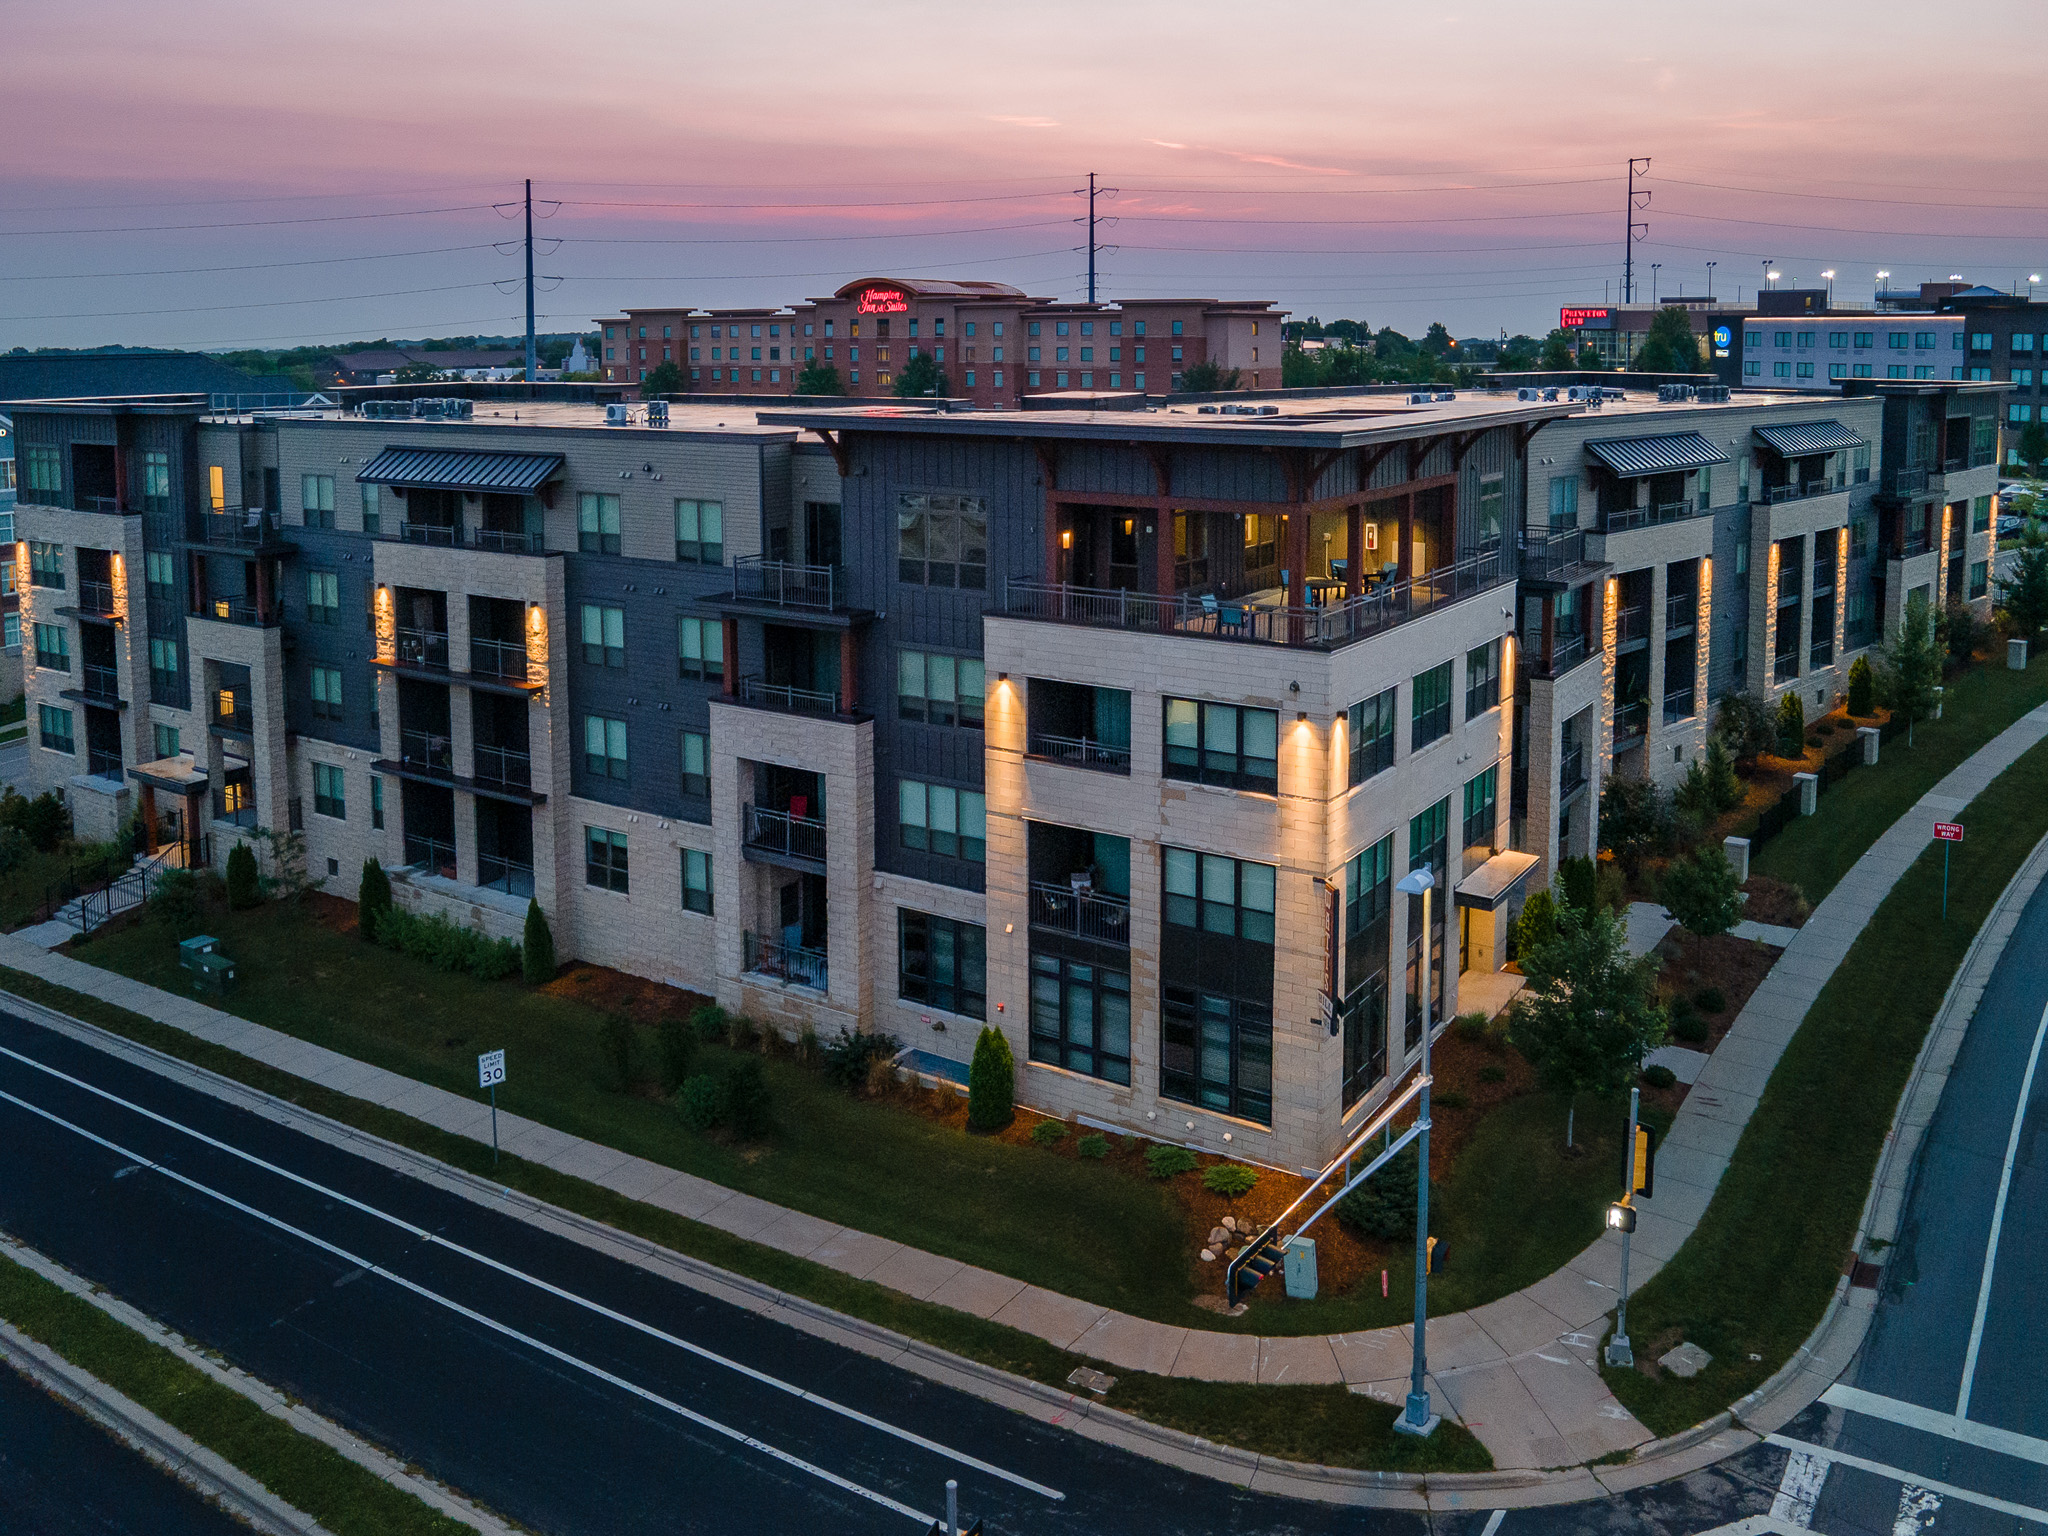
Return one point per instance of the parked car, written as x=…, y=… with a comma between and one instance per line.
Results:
x=2011, y=525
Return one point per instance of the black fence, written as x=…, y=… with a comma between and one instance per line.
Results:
x=1776, y=817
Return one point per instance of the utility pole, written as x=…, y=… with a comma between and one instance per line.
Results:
x=532, y=357
x=1623, y=1218
x=1631, y=230
x=1091, y=192
x=1416, y=1417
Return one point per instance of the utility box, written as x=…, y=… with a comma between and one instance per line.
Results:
x=1737, y=849
x=2016, y=655
x=1869, y=735
x=1298, y=1260
x=1809, y=792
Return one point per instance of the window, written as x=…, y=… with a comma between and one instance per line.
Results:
x=376, y=802
x=1807, y=339
x=1217, y=1052
x=1368, y=899
x=1752, y=338
x=597, y=524
x=1838, y=340
x=326, y=692
x=2023, y=341
x=939, y=690
x=159, y=574
x=1564, y=501
x=1980, y=578
x=1781, y=338
x=1980, y=514
x=1784, y=370
x=316, y=500
x=1430, y=707
x=323, y=596
x=1223, y=744
x=53, y=647
x=1427, y=835
x=1479, y=808
x=1865, y=339
x=1838, y=370
x=942, y=540
x=1896, y=340
x=604, y=859
x=1372, y=735
x=604, y=747
x=1980, y=341
x=1805, y=370
x=1980, y=375
x=373, y=511
x=10, y=630
x=156, y=482
x=943, y=964
x=1493, y=500
x=696, y=773
x=1231, y=897
x=56, y=728
x=1482, y=679
x=46, y=565
x=1081, y=1017
x=936, y=818
x=1895, y=371
x=700, y=648
x=1752, y=370
x=1860, y=371
x=604, y=635
x=329, y=795
x=163, y=672
x=165, y=739
x=696, y=881
x=700, y=531
x=1983, y=439
x=44, y=467
x=1034, y=354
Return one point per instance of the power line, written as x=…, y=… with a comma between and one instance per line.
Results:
x=897, y=234
x=222, y=202
x=1840, y=229
x=907, y=202
x=327, y=218
x=255, y=266
x=207, y=309
x=1845, y=197
x=1463, y=218
x=1255, y=191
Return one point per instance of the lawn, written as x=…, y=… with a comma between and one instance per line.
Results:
x=1814, y=852
x=1326, y=1425
x=1752, y=1281
x=344, y=1497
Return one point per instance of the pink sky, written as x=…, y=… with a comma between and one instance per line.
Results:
x=1400, y=164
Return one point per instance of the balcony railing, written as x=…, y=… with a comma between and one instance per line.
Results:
x=1632, y=623
x=430, y=854
x=1777, y=493
x=102, y=764
x=240, y=610
x=1906, y=479
x=1631, y=721
x=1206, y=616
x=1546, y=554
x=425, y=648
x=507, y=541
x=504, y=767
x=81, y=502
x=1080, y=752
x=1623, y=519
x=786, y=584
x=1084, y=913
x=445, y=535
x=1567, y=650
x=1822, y=654
x=1785, y=667
x=778, y=832
x=498, y=658
x=1571, y=773
x=804, y=701
x=238, y=527
x=1905, y=549
x=764, y=956
x=228, y=712
x=102, y=682
x=1956, y=463
x=95, y=596
x=242, y=811
x=1681, y=611
x=426, y=750
x=497, y=873
x=1678, y=705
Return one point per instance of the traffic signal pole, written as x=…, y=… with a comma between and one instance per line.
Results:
x=1618, y=1351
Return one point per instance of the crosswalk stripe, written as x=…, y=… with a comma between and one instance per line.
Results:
x=1899, y=1474
x=1799, y=1489
x=1935, y=1422
x=1917, y=1508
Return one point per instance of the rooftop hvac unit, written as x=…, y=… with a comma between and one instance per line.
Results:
x=1551, y=393
x=618, y=416
x=657, y=413
x=1608, y=392
x=1714, y=393
x=1205, y=410
x=1418, y=397
x=1576, y=392
x=1446, y=394
x=1262, y=410
x=1524, y=393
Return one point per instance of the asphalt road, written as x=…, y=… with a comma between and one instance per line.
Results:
x=62, y=1475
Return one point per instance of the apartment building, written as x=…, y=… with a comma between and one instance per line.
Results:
x=995, y=344
x=2005, y=339
x=1831, y=348
x=1113, y=729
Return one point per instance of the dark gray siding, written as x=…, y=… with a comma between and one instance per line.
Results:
x=349, y=643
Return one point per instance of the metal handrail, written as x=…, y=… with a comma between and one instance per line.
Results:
x=1571, y=772
x=810, y=701
x=506, y=767
x=237, y=527
x=426, y=648
x=1632, y=623
x=102, y=682
x=95, y=596
x=497, y=873
x=1631, y=720
x=506, y=541
x=1079, y=752
x=241, y=610
x=447, y=535
x=1622, y=520
x=498, y=658
x=791, y=962
x=785, y=583
x=235, y=718
x=428, y=852
x=1680, y=610
x=773, y=831
x=426, y=749
x=1678, y=704
x=1546, y=554
x=1087, y=914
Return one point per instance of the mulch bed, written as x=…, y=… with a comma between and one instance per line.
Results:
x=1735, y=967
x=1779, y=903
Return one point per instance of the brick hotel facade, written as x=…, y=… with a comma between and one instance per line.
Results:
x=996, y=344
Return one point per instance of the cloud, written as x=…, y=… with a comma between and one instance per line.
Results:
x=1028, y=122
x=1166, y=144
x=1285, y=165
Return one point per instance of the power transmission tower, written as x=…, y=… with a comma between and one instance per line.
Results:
x=1632, y=230
x=532, y=356
x=1091, y=191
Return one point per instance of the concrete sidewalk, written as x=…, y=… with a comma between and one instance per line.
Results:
x=1520, y=1372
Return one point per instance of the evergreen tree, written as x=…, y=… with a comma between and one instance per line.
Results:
x=1791, y=725
x=1701, y=892
x=373, y=898
x=2023, y=596
x=537, y=954
x=991, y=1083
x=245, y=886
x=1911, y=665
x=818, y=378
x=1670, y=346
x=1721, y=779
x=662, y=379
x=1862, y=689
x=1557, y=350
x=1207, y=378
x=920, y=377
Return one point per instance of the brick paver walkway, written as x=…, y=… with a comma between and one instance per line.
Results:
x=1520, y=1371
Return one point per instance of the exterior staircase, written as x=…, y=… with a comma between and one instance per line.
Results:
x=84, y=909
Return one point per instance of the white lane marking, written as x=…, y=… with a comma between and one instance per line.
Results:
x=2012, y=1152
x=421, y=1234
x=1917, y=1507
x=1899, y=1474
x=1756, y=1525
x=702, y=1420
x=1934, y=1422
x=1799, y=1489
x=1493, y=1522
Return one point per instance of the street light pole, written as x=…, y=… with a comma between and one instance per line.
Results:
x=1619, y=1352
x=1416, y=1418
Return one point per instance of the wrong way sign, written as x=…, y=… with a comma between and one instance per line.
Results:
x=1948, y=831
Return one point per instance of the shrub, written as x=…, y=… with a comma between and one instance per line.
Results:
x=702, y=1102
x=1470, y=1026
x=537, y=954
x=245, y=889
x=748, y=1108
x=1744, y=725
x=1634, y=821
x=1384, y=1205
x=1710, y=999
x=1049, y=1133
x=1721, y=778
x=710, y=1023
x=1862, y=689
x=615, y=1038
x=1537, y=925
x=373, y=898
x=1493, y=1072
x=1164, y=1162
x=1610, y=888
x=1791, y=725
x=1659, y=1077
x=1693, y=800
x=446, y=946
x=46, y=821
x=1095, y=1148
x=1688, y=1027
x=174, y=901
x=1229, y=1179
x=14, y=847
x=1451, y=1098
x=1575, y=883
x=741, y=1031
x=678, y=1050
x=991, y=1083
x=1701, y=892
x=847, y=1060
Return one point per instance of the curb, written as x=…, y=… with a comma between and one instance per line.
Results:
x=175, y=1452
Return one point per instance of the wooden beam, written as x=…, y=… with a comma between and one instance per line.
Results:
x=1370, y=459
x=1461, y=444
x=835, y=444
x=1048, y=464
x=1162, y=467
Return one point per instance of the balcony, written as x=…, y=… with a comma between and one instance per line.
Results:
x=1079, y=752
x=102, y=684
x=792, y=963
x=501, y=659
x=1785, y=668
x=430, y=855
x=240, y=610
x=495, y=873
x=784, y=584
x=1822, y=653
x=1571, y=772
x=1632, y=624
x=228, y=712
x=1081, y=912
x=427, y=752
x=442, y=535
x=504, y=768
x=1631, y=721
x=780, y=835
x=95, y=598
x=507, y=541
x=1626, y=518
x=1206, y=616
x=1905, y=480
x=1548, y=557
x=1678, y=705
x=102, y=764
x=1773, y=494
x=1914, y=543
x=247, y=529
x=234, y=806
x=1567, y=650
x=425, y=649
x=1681, y=612
x=801, y=701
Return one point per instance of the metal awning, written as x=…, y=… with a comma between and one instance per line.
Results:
x=1805, y=438
x=1493, y=882
x=513, y=474
x=1661, y=455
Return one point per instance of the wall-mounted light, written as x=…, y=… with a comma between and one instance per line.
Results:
x=1130, y=524
x=1002, y=677
x=1066, y=538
